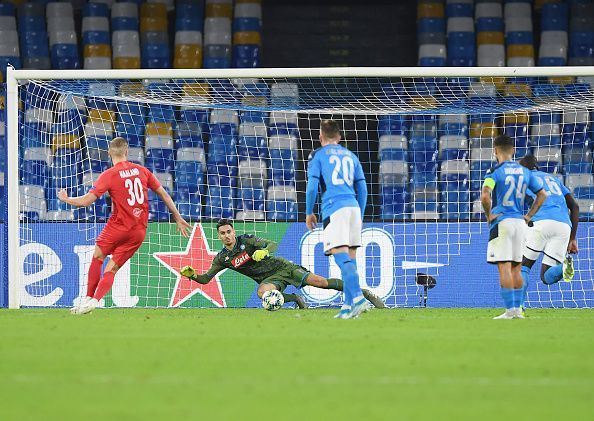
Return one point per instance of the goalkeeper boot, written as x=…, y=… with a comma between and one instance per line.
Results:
x=374, y=299
x=568, y=270
x=300, y=302
x=359, y=306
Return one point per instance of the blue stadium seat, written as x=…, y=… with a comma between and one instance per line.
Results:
x=216, y=62
x=282, y=166
x=253, y=117
x=189, y=175
x=277, y=210
x=124, y=23
x=221, y=154
x=246, y=56
x=459, y=10
x=250, y=199
x=189, y=204
x=395, y=201
x=6, y=9
x=195, y=116
x=546, y=90
x=575, y=135
x=554, y=11
x=161, y=113
x=219, y=202
x=252, y=147
x=65, y=169
x=227, y=130
x=393, y=125
x=65, y=56
x=156, y=56
x=159, y=160
x=519, y=37
x=133, y=133
x=34, y=173
x=157, y=210
x=453, y=129
x=189, y=135
x=96, y=9
x=489, y=24
x=577, y=161
x=98, y=161
x=393, y=155
x=431, y=25
x=584, y=192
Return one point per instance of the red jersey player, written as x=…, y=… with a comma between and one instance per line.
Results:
x=127, y=184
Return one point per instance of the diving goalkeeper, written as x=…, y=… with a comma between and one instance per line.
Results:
x=251, y=256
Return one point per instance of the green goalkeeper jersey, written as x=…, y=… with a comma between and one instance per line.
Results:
x=240, y=260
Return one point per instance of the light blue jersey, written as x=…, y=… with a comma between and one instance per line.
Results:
x=510, y=181
x=555, y=207
x=340, y=175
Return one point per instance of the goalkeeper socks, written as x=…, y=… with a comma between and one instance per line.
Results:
x=553, y=274
x=94, y=276
x=512, y=297
x=336, y=284
x=350, y=277
x=290, y=298
x=525, y=278
x=104, y=285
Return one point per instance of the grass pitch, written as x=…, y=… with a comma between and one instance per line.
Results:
x=248, y=364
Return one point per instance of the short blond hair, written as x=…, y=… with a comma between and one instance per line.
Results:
x=118, y=146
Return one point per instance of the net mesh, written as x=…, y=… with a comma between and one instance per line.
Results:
x=238, y=148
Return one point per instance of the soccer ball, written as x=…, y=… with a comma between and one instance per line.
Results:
x=272, y=300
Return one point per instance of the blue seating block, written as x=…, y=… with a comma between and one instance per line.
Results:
x=250, y=199
x=159, y=160
x=395, y=201
x=189, y=175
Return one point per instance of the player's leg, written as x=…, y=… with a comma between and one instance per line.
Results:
x=337, y=284
x=505, y=249
x=557, y=265
x=336, y=242
x=95, y=270
x=125, y=248
x=535, y=242
x=280, y=285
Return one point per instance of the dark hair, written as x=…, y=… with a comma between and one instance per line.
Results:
x=329, y=129
x=504, y=143
x=530, y=162
x=223, y=222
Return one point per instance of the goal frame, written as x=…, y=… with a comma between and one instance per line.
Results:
x=13, y=77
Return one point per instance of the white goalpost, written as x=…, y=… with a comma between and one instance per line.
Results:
x=234, y=143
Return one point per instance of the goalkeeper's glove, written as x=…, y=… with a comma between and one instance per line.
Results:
x=188, y=272
x=260, y=254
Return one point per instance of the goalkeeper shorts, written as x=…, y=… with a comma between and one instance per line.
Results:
x=288, y=274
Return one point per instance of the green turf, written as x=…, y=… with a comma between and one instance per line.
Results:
x=248, y=364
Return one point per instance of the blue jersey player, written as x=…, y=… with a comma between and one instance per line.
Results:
x=344, y=196
x=502, y=198
x=552, y=231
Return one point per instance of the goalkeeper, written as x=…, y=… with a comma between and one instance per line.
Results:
x=251, y=256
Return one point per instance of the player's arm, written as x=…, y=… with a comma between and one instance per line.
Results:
x=182, y=226
x=574, y=215
x=79, y=201
x=486, y=201
x=535, y=185
x=216, y=267
x=265, y=247
x=311, y=193
x=361, y=189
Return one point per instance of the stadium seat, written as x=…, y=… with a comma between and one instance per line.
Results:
x=487, y=10
x=545, y=135
x=482, y=159
x=577, y=161
x=189, y=135
x=33, y=205
x=432, y=55
x=453, y=147
x=219, y=202
x=491, y=55
x=549, y=159
x=281, y=203
x=578, y=180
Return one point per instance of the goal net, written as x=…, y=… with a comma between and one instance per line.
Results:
x=235, y=144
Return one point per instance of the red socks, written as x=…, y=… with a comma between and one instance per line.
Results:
x=104, y=285
x=94, y=276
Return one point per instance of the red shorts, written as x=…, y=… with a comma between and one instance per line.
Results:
x=120, y=244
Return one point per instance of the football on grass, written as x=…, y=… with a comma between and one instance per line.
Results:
x=272, y=300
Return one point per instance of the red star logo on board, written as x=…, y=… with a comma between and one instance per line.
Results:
x=199, y=256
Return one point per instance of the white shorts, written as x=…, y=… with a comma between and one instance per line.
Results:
x=506, y=241
x=343, y=228
x=548, y=237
